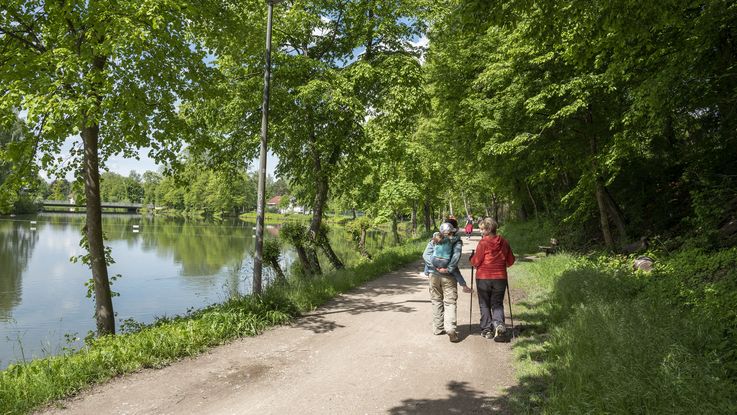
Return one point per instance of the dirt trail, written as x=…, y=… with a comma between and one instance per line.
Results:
x=370, y=351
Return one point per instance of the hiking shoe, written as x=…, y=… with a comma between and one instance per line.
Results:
x=438, y=332
x=453, y=336
x=487, y=334
x=499, y=332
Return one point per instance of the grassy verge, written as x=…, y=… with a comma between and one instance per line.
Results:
x=275, y=218
x=26, y=386
x=600, y=338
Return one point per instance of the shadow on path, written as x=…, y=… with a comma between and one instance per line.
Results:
x=364, y=300
x=463, y=400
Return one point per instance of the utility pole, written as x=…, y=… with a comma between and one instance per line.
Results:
x=261, y=202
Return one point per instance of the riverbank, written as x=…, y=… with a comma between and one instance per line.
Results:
x=368, y=351
x=25, y=386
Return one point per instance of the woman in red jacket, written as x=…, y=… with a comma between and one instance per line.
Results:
x=493, y=256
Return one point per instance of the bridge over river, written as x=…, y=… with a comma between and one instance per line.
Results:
x=130, y=207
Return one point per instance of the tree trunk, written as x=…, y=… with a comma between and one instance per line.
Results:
x=522, y=212
x=395, y=231
x=465, y=204
x=427, y=216
x=329, y=253
x=414, y=218
x=534, y=203
x=313, y=232
x=104, y=315
x=450, y=206
x=313, y=260
x=495, y=200
x=603, y=217
x=600, y=195
x=362, y=244
x=304, y=259
x=369, y=51
x=615, y=213
x=280, y=277
x=353, y=210
x=489, y=206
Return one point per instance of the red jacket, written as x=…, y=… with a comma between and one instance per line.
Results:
x=493, y=256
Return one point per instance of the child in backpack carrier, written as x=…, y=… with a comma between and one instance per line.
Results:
x=442, y=252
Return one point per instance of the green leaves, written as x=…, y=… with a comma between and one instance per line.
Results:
x=123, y=65
x=555, y=92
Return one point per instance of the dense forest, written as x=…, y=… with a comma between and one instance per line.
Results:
x=618, y=118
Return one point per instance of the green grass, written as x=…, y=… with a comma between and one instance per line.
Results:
x=600, y=338
x=27, y=386
x=525, y=237
x=275, y=218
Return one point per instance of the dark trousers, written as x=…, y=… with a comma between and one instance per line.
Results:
x=491, y=302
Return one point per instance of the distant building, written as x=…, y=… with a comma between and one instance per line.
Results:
x=292, y=207
x=274, y=202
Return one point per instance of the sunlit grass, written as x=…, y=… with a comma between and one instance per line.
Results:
x=599, y=338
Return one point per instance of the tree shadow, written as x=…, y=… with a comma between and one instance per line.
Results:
x=526, y=397
x=463, y=400
x=363, y=305
x=398, y=282
x=526, y=258
x=318, y=322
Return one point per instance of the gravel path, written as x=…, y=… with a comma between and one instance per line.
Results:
x=370, y=351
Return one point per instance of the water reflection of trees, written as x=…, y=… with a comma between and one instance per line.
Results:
x=17, y=242
x=203, y=248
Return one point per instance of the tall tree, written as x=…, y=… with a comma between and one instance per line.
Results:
x=109, y=72
x=318, y=110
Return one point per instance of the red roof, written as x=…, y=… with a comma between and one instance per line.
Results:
x=274, y=200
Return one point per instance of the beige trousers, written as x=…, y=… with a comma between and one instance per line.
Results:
x=443, y=297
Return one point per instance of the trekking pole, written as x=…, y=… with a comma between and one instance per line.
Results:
x=509, y=297
x=470, y=308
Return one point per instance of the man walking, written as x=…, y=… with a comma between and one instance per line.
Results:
x=443, y=288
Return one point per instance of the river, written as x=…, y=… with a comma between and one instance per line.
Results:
x=167, y=267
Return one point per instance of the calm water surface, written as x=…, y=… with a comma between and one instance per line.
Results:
x=167, y=267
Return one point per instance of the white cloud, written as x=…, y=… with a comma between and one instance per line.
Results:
x=422, y=44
